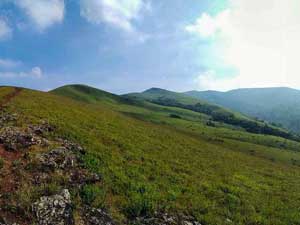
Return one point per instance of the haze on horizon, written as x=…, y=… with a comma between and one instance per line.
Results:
x=132, y=45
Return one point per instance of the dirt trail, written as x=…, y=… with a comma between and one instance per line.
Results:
x=6, y=99
x=7, y=178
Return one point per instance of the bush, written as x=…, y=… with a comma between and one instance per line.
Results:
x=93, y=195
x=175, y=116
x=140, y=205
x=141, y=202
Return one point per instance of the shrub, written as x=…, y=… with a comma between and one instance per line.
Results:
x=175, y=116
x=139, y=205
x=93, y=195
x=141, y=202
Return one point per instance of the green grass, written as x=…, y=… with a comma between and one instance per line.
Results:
x=86, y=94
x=215, y=112
x=156, y=93
x=194, y=123
x=150, y=161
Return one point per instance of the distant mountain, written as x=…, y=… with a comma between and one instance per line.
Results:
x=277, y=105
x=215, y=112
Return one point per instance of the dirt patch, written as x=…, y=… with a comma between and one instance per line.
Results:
x=9, y=156
x=6, y=99
x=8, y=180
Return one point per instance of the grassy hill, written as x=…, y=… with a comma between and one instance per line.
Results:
x=86, y=94
x=216, y=113
x=152, y=161
x=277, y=105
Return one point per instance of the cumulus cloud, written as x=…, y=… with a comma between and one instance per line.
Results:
x=207, y=26
x=260, y=39
x=8, y=63
x=35, y=73
x=43, y=13
x=5, y=30
x=119, y=13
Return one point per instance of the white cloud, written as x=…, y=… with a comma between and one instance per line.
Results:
x=210, y=80
x=35, y=73
x=44, y=13
x=207, y=26
x=119, y=13
x=260, y=39
x=8, y=63
x=5, y=30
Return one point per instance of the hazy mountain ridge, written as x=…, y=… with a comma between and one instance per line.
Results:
x=215, y=111
x=278, y=105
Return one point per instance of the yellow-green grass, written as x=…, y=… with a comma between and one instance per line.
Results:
x=149, y=165
x=192, y=122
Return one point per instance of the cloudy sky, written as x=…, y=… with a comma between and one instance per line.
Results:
x=131, y=45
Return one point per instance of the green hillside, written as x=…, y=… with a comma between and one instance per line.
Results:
x=152, y=161
x=86, y=94
x=216, y=113
x=278, y=105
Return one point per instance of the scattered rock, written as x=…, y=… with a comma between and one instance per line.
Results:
x=197, y=223
x=187, y=223
x=14, y=139
x=7, y=117
x=54, y=210
x=59, y=158
x=158, y=219
x=81, y=177
x=97, y=217
x=40, y=178
x=76, y=148
x=166, y=219
x=42, y=128
x=228, y=220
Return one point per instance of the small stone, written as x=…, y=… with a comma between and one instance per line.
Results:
x=97, y=217
x=79, y=177
x=15, y=139
x=76, y=148
x=59, y=158
x=56, y=209
x=187, y=223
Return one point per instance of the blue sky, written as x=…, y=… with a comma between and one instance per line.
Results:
x=131, y=45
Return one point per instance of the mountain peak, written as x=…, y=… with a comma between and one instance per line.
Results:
x=155, y=90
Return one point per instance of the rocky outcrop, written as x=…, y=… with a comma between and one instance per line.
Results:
x=74, y=147
x=14, y=139
x=54, y=210
x=166, y=219
x=59, y=158
x=42, y=128
x=97, y=217
x=7, y=117
x=80, y=177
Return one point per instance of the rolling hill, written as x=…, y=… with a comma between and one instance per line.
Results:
x=216, y=113
x=277, y=105
x=160, y=163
